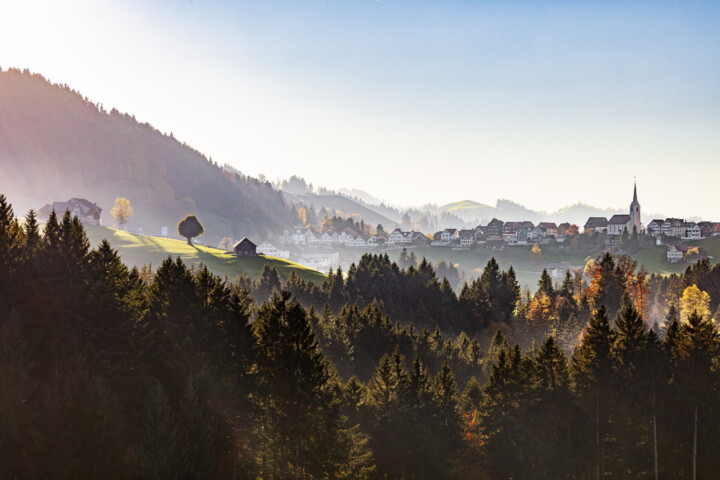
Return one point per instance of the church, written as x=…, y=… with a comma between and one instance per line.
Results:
x=618, y=223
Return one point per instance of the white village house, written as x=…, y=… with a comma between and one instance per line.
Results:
x=267, y=248
x=675, y=253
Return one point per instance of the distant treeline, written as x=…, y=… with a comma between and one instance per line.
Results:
x=109, y=372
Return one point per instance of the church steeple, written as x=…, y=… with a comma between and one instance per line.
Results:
x=635, y=219
x=635, y=200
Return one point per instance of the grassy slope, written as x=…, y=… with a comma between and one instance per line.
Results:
x=140, y=250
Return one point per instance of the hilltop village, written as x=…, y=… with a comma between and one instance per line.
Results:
x=321, y=247
x=339, y=242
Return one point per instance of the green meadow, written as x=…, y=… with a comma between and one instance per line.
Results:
x=141, y=250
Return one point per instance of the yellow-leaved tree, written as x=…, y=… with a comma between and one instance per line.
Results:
x=694, y=299
x=122, y=211
x=539, y=314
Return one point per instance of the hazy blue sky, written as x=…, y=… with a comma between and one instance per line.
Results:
x=545, y=103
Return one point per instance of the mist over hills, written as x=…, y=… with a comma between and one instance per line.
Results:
x=464, y=213
x=55, y=144
x=342, y=206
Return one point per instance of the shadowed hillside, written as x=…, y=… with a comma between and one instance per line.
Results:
x=55, y=144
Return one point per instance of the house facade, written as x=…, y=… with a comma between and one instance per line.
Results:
x=449, y=235
x=397, y=237
x=673, y=227
x=596, y=224
x=618, y=223
x=707, y=229
x=267, y=248
x=537, y=233
x=85, y=210
x=562, y=228
x=676, y=253
x=347, y=236
x=245, y=248
x=524, y=233
x=494, y=228
x=285, y=238
x=654, y=228
x=551, y=229
x=299, y=237
x=467, y=238
x=692, y=231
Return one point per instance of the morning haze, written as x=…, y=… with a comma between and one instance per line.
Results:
x=359, y=240
x=492, y=99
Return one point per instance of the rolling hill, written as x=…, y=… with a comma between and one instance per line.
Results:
x=474, y=212
x=347, y=206
x=55, y=144
x=141, y=250
x=507, y=210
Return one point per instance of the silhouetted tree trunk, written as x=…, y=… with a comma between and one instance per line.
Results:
x=655, y=445
x=694, y=476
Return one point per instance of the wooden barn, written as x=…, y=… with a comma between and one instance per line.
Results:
x=245, y=248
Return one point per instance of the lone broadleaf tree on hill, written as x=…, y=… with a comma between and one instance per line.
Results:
x=122, y=211
x=190, y=227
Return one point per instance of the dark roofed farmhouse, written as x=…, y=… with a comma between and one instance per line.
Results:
x=245, y=248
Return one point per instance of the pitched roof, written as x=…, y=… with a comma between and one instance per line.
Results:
x=86, y=205
x=245, y=242
x=619, y=220
x=547, y=225
x=596, y=222
x=60, y=207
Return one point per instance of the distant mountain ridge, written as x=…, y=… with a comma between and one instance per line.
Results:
x=466, y=213
x=342, y=205
x=55, y=144
x=509, y=211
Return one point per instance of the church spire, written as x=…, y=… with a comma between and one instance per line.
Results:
x=635, y=219
x=635, y=200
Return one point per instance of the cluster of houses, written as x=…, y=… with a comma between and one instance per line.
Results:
x=677, y=227
x=670, y=227
x=495, y=231
x=349, y=238
x=498, y=232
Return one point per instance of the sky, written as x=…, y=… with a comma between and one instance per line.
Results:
x=544, y=103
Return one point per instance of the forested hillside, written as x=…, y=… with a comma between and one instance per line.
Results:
x=56, y=144
x=110, y=372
